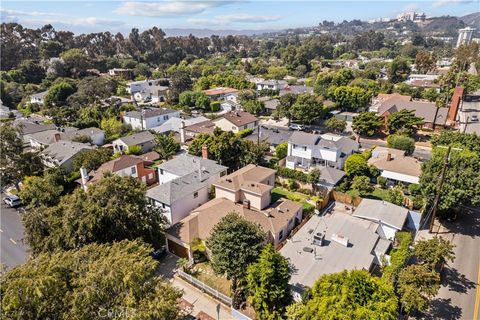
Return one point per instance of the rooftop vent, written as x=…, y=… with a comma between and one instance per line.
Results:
x=318, y=239
x=340, y=239
x=307, y=249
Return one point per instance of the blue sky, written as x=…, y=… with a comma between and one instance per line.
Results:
x=90, y=16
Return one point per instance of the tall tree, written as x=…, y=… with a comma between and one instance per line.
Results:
x=268, y=284
x=235, y=243
x=425, y=61
x=403, y=122
x=336, y=125
x=347, y=295
x=180, y=81
x=166, y=146
x=416, y=285
x=356, y=165
x=90, y=283
x=434, y=252
x=115, y=208
x=398, y=70
x=350, y=98
x=367, y=123
x=307, y=109
x=43, y=191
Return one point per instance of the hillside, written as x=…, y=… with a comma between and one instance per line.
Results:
x=472, y=19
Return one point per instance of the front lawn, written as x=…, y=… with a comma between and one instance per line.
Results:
x=204, y=272
x=279, y=192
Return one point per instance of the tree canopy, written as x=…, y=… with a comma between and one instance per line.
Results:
x=89, y=283
x=403, y=122
x=367, y=123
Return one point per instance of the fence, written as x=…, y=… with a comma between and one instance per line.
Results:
x=202, y=286
x=345, y=198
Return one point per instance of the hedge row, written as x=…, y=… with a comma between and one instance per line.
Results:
x=292, y=174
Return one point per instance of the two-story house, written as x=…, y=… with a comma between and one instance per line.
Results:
x=148, y=118
x=237, y=121
x=184, y=184
x=222, y=94
x=62, y=154
x=274, y=85
x=246, y=192
x=124, y=166
x=148, y=89
x=307, y=150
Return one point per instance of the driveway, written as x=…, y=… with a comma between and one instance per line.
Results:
x=459, y=294
x=191, y=295
x=13, y=250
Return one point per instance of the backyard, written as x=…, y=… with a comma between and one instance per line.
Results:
x=279, y=192
x=204, y=272
x=377, y=193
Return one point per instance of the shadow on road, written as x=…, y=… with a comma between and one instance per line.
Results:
x=443, y=309
x=467, y=223
x=456, y=281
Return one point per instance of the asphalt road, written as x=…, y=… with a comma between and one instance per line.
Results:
x=459, y=295
x=13, y=250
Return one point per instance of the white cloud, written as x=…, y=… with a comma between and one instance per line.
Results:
x=233, y=18
x=444, y=3
x=17, y=13
x=167, y=7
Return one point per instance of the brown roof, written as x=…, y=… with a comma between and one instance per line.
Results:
x=200, y=222
x=240, y=118
x=248, y=178
x=424, y=110
x=219, y=90
x=398, y=161
x=149, y=156
x=201, y=127
x=387, y=96
x=122, y=162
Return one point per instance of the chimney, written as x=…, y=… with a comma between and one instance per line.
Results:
x=204, y=152
x=182, y=132
x=246, y=203
x=85, y=178
x=389, y=156
x=57, y=137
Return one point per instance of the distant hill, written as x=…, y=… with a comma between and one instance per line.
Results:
x=446, y=25
x=175, y=32
x=472, y=19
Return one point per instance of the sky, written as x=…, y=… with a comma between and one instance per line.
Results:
x=122, y=16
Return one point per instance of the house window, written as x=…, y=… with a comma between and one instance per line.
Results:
x=134, y=170
x=233, y=128
x=165, y=117
x=159, y=119
x=223, y=173
x=195, y=195
x=294, y=146
x=161, y=171
x=150, y=176
x=280, y=235
x=304, y=148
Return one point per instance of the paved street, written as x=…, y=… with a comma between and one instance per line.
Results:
x=458, y=297
x=469, y=109
x=13, y=250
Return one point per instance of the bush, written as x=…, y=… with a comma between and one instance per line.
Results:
x=292, y=174
x=281, y=150
x=398, y=257
x=245, y=132
x=395, y=195
x=133, y=150
x=382, y=181
x=414, y=189
x=362, y=185
x=401, y=142
x=292, y=184
x=215, y=106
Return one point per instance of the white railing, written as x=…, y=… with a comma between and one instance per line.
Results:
x=202, y=286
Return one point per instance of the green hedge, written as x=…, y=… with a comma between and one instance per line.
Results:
x=244, y=133
x=292, y=174
x=398, y=256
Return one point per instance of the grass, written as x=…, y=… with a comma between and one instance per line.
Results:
x=278, y=193
x=377, y=193
x=203, y=271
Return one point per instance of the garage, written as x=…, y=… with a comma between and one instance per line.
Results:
x=177, y=249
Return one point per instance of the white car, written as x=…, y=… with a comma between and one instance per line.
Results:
x=298, y=127
x=474, y=118
x=12, y=201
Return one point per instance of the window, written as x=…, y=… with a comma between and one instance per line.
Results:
x=233, y=128
x=165, y=117
x=223, y=173
x=294, y=146
x=150, y=176
x=134, y=170
x=159, y=119
x=304, y=148
x=195, y=195
x=161, y=171
x=280, y=235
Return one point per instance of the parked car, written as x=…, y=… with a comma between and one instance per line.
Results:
x=474, y=118
x=158, y=254
x=13, y=201
x=298, y=127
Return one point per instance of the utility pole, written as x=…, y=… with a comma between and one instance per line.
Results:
x=466, y=124
x=440, y=186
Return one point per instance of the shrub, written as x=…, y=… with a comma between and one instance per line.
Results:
x=382, y=181
x=362, y=185
x=292, y=184
x=134, y=150
x=401, y=142
x=244, y=133
x=292, y=174
x=395, y=195
x=414, y=189
x=215, y=106
x=281, y=150
x=398, y=257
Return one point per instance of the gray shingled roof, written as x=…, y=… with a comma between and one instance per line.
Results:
x=137, y=138
x=304, y=138
x=177, y=189
x=344, y=144
x=185, y=164
x=30, y=127
x=330, y=175
x=64, y=150
x=382, y=211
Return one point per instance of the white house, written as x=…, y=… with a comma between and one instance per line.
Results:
x=47, y=137
x=184, y=184
x=395, y=166
x=145, y=140
x=307, y=150
x=147, y=89
x=38, y=98
x=148, y=118
x=237, y=121
x=275, y=85
x=222, y=94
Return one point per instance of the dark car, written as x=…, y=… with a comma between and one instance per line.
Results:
x=158, y=254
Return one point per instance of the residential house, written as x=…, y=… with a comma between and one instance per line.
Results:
x=191, y=131
x=296, y=90
x=330, y=177
x=174, y=124
x=146, y=119
x=222, y=94
x=62, y=153
x=144, y=139
x=246, y=192
x=395, y=166
x=270, y=134
x=126, y=74
x=124, y=166
x=229, y=105
x=184, y=184
x=270, y=104
x=308, y=150
x=148, y=90
x=342, y=240
x=45, y=138
x=237, y=121
x=274, y=85
x=428, y=111
x=28, y=128
x=38, y=98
